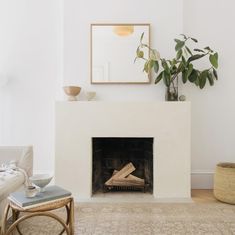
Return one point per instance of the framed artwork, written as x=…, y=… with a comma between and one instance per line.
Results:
x=113, y=50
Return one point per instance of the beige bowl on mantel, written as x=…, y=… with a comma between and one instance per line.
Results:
x=72, y=92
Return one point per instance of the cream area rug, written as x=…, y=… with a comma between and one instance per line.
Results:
x=142, y=219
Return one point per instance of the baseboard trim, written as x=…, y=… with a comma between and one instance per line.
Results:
x=202, y=179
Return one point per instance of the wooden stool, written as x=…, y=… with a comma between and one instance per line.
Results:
x=40, y=210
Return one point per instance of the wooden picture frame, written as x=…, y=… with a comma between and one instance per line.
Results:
x=113, y=50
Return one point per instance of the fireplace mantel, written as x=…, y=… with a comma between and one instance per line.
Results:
x=167, y=122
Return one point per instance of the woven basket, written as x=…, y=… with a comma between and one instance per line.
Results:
x=224, y=182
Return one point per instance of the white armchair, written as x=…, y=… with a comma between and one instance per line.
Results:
x=10, y=182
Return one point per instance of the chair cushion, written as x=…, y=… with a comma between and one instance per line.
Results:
x=22, y=155
x=9, y=182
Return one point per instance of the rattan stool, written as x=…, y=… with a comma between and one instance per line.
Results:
x=40, y=210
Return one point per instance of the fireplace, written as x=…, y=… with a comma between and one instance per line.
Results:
x=168, y=123
x=110, y=155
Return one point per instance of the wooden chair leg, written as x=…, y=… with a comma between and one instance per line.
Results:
x=71, y=217
x=4, y=221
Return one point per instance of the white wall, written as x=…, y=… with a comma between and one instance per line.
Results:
x=213, y=108
x=29, y=54
x=165, y=17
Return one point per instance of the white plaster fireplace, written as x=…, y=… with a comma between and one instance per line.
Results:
x=168, y=123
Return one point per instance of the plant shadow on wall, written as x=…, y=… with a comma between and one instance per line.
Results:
x=169, y=70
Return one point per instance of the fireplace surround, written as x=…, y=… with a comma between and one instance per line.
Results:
x=168, y=123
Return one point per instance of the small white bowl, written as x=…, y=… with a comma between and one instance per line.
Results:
x=41, y=180
x=90, y=95
x=31, y=191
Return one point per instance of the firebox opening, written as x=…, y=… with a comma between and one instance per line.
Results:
x=130, y=158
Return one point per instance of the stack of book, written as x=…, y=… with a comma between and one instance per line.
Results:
x=51, y=194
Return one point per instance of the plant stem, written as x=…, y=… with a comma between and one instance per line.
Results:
x=172, y=82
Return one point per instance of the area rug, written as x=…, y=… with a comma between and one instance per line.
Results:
x=142, y=219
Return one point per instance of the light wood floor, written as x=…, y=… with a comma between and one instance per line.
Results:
x=203, y=195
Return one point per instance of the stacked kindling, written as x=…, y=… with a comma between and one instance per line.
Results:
x=124, y=177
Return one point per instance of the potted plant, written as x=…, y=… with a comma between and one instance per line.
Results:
x=182, y=65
